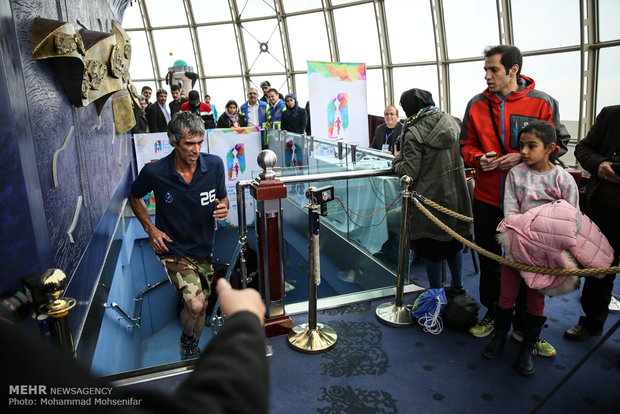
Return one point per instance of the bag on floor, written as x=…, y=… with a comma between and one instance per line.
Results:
x=427, y=310
x=461, y=312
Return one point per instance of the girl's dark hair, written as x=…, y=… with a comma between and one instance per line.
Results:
x=545, y=131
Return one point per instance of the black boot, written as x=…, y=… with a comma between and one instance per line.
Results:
x=531, y=332
x=503, y=319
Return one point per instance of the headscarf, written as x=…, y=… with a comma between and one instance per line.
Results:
x=294, y=108
x=415, y=99
x=416, y=103
x=234, y=118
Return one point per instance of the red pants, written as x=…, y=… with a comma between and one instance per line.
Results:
x=509, y=289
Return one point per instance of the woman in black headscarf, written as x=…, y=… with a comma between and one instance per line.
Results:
x=431, y=156
x=232, y=118
x=294, y=118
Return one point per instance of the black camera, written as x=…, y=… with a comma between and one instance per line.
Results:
x=321, y=196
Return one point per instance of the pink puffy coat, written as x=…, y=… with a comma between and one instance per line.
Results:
x=554, y=235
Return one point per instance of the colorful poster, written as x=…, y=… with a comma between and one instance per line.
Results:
x=338, y=108
x=238, y=148
x=151, y=147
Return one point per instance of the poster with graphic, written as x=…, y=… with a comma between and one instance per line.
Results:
x=149, y=148
x=338, y=107
x=238, y=148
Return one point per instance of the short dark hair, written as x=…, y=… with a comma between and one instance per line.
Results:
x=160, y=91
x=545, y=131
x=182, y=124
x=511, y=55
x=175, y=87
x=272, y=90
x=146, y=87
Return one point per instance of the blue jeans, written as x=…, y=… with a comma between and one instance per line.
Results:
x=433, y=270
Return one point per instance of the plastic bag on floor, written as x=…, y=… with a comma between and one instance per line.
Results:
x=427, y=310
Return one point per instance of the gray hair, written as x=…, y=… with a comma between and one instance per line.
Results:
x=141, y=98
x=184, y=124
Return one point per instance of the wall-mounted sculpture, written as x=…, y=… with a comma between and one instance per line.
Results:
x=91, y=66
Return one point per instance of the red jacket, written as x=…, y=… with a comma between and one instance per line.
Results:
x=516, y=110
x=204, y=111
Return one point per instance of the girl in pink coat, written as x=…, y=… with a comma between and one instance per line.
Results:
x=537, y=180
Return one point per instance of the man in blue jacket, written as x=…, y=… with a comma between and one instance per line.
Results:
x=254, y=110
x=274, y=109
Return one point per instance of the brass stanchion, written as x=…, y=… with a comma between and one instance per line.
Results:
x=54, y=282
x=395, y=313
x=313, y=337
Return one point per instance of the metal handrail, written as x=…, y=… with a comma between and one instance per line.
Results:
x=135, y=321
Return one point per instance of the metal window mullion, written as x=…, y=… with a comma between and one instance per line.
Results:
x=504, y=22
x=193, y=33
x=589, y=64
x=439, y=33
x=330, y=25
x=243, y=59
x=384, y=45
x=286, y=47
x=148, y=31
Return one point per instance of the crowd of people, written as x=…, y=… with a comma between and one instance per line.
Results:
x=272, y=110
x=512, y=136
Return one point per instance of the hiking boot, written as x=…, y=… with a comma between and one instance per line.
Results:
x=543, y=348
x=503, y=319
x=525, y=364
x=483, y=328
x=188, y=347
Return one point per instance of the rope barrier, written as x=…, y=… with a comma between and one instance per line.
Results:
x=418, y=200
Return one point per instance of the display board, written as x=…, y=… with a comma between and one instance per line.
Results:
x=238, y=148
x=338, y=107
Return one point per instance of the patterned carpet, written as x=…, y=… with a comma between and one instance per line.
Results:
x=375, y=368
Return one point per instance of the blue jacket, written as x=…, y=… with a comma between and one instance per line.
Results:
x=274, y=114
x=262, y=112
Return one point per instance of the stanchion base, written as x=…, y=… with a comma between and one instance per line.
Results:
x=397, y=316
x=614, y=304
x=312, y=341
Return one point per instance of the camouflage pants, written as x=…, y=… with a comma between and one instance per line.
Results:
x=189, y=276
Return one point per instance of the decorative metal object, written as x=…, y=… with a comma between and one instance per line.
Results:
x=92, y=66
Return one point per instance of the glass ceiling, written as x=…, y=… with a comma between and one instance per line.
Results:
x=430, y=44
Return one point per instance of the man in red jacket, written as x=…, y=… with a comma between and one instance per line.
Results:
x=489, y=141
x=201, y=109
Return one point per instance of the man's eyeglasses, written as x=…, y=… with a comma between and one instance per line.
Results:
x=252, y=93
x=389, y=113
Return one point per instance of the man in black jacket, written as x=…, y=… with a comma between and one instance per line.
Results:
x=157, y=114
x=232, y=375
x=597, y=153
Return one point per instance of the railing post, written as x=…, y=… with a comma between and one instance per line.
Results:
x=395, y=313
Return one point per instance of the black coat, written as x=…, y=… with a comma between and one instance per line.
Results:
x=294, y=123
x=156, y=119
x=232, y=374
x=141, y=126
x=224, y=121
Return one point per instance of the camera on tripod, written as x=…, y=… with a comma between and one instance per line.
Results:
x=321, y=196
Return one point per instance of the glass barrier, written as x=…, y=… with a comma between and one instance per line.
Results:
x=367, y=211
x=359, y=254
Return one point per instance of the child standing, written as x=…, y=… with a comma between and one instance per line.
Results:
x=534, y=182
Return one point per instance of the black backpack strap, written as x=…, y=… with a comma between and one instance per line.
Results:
x=499, y=139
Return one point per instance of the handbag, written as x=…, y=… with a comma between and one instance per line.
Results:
x=461, y=312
